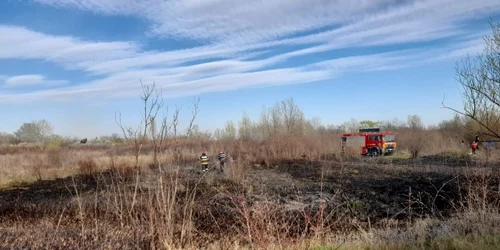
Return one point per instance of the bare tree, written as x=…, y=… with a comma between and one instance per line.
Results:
x=455, y=128
x=230, y=130
x=313, y=126
x=393, y=125
x=245, y=127
x=35, y=131
x=416, y=131
x=194, y=111
x=480, y=80
x=153, y=102
x=219, y=134
x=175, y=120
x=415, y=122
x=276, y=118
x=152, y=127
x=130, y=133
x=351, y=126
x=292, y=115
x=7, y=138
x=159, y=136
x=265, y=122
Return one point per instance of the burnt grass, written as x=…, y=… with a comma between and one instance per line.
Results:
x=367, y=191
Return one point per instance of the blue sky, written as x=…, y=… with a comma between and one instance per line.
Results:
x=75, y=63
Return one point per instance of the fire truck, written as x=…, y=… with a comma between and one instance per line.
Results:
x=370, y=141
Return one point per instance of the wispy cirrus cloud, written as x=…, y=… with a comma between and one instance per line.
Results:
x=125, y=84
x=231, y=27
x=24, y=80
x=243, y=40
x=223, y=20
x=30, y=80
x=236, y=21
x=22, y=43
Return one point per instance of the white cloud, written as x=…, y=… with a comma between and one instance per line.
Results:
x=235, y=31
x=233, y=28
x=247, y=22
x=231, y=20
x=22, y=43
x=28, y=80
x=24, y=80
x=176, y=84
x=100, y=90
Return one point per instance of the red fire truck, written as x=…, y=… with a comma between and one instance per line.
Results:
x=370, y=142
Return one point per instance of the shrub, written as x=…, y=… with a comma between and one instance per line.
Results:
x=55, y=144
x=87, y=166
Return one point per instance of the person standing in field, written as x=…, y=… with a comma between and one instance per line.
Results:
x=204, y=161
x=222, y=159
x=474, y=147
x=490, y=145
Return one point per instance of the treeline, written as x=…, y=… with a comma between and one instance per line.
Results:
x=283, y=118
x=38, y=133
x=287, y=118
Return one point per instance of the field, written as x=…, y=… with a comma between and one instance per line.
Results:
x=291, y=193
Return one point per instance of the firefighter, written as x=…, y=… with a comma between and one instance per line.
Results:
x=476, y=140
x=222, y=159
x=474, y=147
x=204, y=161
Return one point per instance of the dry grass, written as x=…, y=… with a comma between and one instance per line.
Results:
x=282, y=193
x=26, y=164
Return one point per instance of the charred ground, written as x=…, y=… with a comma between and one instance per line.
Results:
x=296, y=194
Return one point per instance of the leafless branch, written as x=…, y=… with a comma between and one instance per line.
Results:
x=175, y=119
x=194, y=111
x=480, y=80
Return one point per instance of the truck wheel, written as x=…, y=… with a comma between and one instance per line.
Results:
x=375, y=152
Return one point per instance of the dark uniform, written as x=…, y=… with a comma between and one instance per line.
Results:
x=204, y=161
x=222, y=159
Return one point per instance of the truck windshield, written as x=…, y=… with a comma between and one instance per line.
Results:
x=389, y=138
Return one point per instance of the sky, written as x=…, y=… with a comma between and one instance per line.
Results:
x=77, y=63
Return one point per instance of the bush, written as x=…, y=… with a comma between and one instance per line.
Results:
x=87, y=166
x=54, y=144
